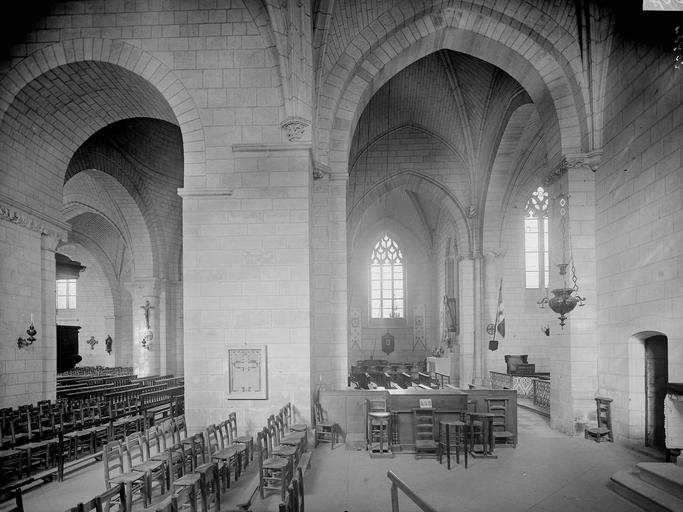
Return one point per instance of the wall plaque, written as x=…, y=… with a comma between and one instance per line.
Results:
x=247, y=372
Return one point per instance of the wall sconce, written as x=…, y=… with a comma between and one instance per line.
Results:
x=31, y=332
x=92, y=342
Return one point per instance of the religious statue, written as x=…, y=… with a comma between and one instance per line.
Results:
x=148, y=335
x=108, y=343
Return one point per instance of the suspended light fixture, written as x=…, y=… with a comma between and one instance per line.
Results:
x=565, y=299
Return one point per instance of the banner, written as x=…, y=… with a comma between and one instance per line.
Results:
x=355, y=329
x=419, y=327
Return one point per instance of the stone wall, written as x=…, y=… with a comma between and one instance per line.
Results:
x=639, y=217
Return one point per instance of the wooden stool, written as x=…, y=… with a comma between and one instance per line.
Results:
x=459, y=438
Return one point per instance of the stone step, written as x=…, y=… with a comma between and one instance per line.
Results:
x=666, y=476
x=647, y=496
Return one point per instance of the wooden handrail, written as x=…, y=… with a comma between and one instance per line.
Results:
x=397, y=483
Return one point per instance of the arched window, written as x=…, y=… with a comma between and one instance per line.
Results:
x=387, y=297
x=536, y=240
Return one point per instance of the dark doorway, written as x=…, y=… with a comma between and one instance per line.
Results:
x=67, y=347
x=656, y=378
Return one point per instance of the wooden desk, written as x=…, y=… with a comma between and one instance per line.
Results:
x=447, y=404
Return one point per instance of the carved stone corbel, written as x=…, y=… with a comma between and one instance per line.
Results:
x=295, y=127
x=574, y=161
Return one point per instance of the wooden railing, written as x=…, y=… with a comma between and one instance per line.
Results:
x=396, y=484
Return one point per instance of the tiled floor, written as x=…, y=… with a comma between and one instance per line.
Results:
x=547, y=472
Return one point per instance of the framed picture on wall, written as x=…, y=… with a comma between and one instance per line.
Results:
x=247, y=369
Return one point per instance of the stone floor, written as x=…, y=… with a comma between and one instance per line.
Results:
x=547, y=472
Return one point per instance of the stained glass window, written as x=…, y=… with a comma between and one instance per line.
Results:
x=536, y=260
x=387, y=293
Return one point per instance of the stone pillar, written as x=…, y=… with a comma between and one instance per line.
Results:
x=147, y=356
x=478, y=295
x=329, y=347
x=247, y=281
x=47, y=319
x=467, y=322
x=574, y=372
x=491, y=282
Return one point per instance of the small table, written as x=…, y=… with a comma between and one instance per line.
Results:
x=488, y=441
x=460, y=432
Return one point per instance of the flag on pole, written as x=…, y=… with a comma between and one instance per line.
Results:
x=500, y=316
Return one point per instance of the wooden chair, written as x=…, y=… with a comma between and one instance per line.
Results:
x=296, y=440
x=138, y=456
x=248, y=441
x=275, y=449
x=103, y=502
x=424, y=432
x=274, y=472
x=39, y=449
x=178, y=500
x=501, y=433
x=206, y=481
x=222, y=456
x=603, y=430
x=240, y=459
x=115, y=472
x=325, y=431
x=15, y=494
x=116, y=496
x=294, y=500
x=173, y=457
x=378, y=428
x=12, y=464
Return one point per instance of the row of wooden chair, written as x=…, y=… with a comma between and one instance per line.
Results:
x=280, y=446
x=165, y=457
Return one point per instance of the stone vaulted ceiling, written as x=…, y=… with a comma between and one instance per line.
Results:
x=465, y=104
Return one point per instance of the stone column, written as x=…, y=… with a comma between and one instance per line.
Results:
x=47, y=319
x=329, y=347
x=574, y=380
x=467, y=320
x=491, y=286
x=478, y=294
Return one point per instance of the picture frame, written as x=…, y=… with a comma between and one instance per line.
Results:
x=247, y=372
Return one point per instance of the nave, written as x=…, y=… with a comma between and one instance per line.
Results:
x=548, y=471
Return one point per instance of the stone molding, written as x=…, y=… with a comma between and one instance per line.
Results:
x=574, y=161
x=27, y=217
x=295, y=127
x=204, y=192
x=268, y=148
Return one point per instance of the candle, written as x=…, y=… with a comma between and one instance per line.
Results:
x=31, y=318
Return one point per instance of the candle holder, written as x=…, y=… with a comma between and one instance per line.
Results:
x=28, y=341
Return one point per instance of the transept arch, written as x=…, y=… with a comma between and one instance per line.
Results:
x=382, y=49
x=56, y=92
